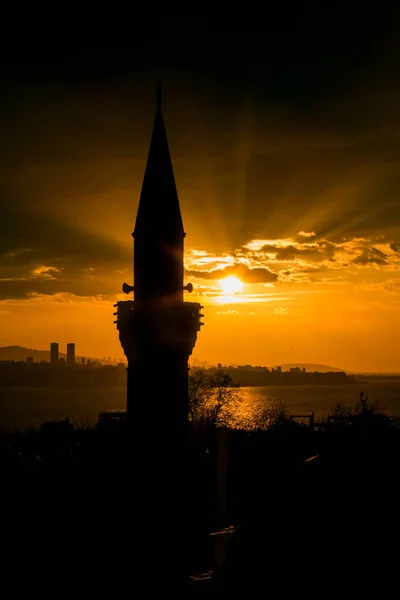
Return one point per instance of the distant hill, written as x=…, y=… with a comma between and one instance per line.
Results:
x=22, y=353
x=309, y=367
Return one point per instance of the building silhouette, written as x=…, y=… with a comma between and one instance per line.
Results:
x=71, y=354
x=54, y=353
x=158, y=327
x=158, y=331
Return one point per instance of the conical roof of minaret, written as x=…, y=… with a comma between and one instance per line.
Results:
x=159, y=209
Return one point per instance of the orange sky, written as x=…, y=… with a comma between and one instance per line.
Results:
x=326, y=305
x=286, y=165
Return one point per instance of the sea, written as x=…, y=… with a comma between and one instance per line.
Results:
x=23, y=408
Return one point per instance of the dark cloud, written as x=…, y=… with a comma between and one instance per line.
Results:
x=323, y=251
x=371, y=256
x=84, y=263
x=245, y=274
x=395, y=246
x=24, y=289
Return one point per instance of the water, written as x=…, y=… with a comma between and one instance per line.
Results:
x=321, y=399
x=25, y=407
x=22, y=408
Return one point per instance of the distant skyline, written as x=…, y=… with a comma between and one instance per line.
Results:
x=22, y=352
x=286, y=149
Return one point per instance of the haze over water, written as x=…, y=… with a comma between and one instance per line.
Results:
x=22, y=408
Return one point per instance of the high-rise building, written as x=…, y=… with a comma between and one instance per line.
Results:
x=54, y=353
x=70, y=354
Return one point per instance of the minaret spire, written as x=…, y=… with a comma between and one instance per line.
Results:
x=159, y=234
x=159, y=94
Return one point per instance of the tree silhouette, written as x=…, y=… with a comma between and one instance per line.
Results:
x=198, y=394
x=212, y=398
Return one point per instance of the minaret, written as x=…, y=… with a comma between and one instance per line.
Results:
x=158, y=331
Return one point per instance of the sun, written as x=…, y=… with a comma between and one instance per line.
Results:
x=231, y=285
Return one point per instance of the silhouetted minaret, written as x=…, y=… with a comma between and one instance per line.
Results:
x=158, y=331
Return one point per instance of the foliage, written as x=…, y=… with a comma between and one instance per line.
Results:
x=274, y=417
x=84, y=423
x=198, y=394
x=215, y=401
x=212, y=398
x=341, y=412
x=363, y=413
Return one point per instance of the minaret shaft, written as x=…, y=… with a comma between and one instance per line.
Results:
x=158, y=331
x=158, y=269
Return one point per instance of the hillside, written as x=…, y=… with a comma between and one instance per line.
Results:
x=22, y=353
x=309, y=367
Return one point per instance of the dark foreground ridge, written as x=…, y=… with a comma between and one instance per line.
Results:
x=301, y=511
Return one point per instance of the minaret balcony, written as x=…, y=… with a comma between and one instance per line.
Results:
x=169, y=325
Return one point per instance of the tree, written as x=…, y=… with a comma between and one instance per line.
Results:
x=273, y=417
x=198, y=394
x=212, y=398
